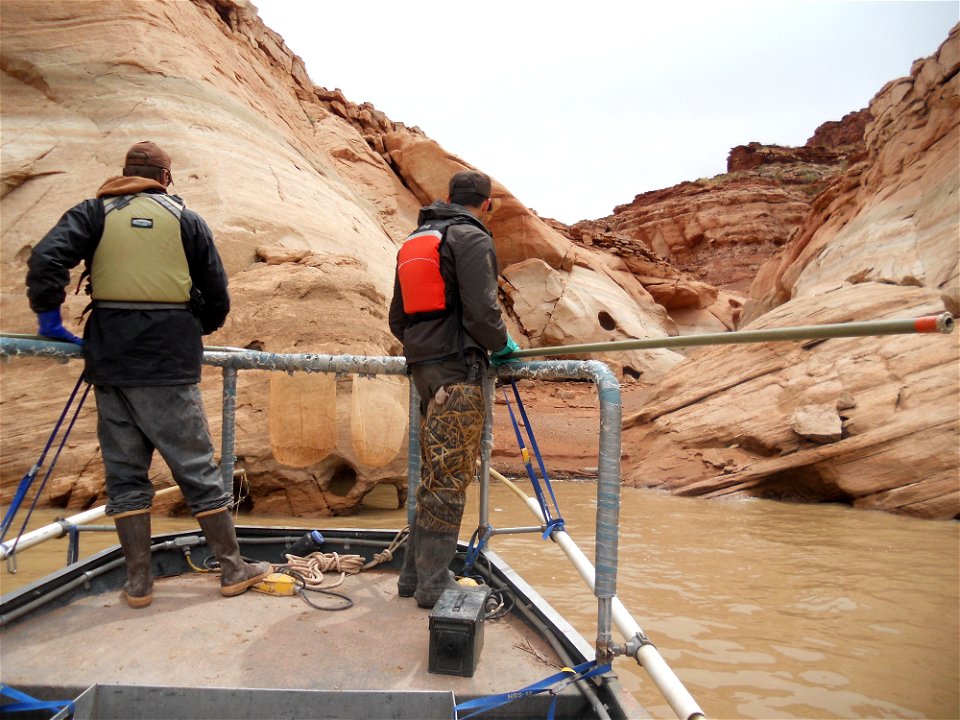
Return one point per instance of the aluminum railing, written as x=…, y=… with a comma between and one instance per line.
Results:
x=233, y=360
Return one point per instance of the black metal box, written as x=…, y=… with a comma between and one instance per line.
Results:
x=456, y=631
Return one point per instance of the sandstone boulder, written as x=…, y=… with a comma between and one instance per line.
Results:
x=819, y=423
x=900, y=439
x=582, y=306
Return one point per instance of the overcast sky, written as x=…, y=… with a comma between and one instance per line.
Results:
x=577, y=107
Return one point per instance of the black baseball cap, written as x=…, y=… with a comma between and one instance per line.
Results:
x=470, y=181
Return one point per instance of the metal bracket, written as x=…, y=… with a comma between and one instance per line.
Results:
x=632, y=646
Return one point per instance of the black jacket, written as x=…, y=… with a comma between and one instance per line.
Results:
x=468, y=265
x=133, y=347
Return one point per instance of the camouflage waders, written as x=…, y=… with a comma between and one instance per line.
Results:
x=450, y=435
x=449, y=444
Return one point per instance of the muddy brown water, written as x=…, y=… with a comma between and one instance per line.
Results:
x=763, y=609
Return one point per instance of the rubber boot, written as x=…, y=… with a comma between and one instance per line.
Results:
x=133, y=529
x=407, y=584
x=236, y=575
x=433, y=553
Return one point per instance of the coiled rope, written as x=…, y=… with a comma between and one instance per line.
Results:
x=312, y=567
x=308, y=572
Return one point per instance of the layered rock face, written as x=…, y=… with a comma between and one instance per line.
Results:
x=308, y=196
x=697, y=246
x=870, y=421
x=891, y=218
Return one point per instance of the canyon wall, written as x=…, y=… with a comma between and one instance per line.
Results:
x=309, y=196
x=871, y=421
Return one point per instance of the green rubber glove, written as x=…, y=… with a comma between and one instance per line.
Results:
x=501, y=356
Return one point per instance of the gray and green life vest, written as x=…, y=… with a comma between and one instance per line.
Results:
x=140, y=257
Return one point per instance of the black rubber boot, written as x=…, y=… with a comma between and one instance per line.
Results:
x=433, y=554
x=236, y=575
x=407, y=584
x=133, y=529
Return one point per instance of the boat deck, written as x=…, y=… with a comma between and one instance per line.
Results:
x=70, y=635
x=191, y=635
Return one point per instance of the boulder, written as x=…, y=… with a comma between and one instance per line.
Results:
x=899, y=396
x=819, y=423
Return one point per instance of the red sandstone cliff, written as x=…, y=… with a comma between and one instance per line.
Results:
x=873, y=421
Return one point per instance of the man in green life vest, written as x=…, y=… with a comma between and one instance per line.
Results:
x=158, y=285
x=446, y=313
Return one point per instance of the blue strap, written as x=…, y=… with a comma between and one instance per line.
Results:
x=554, y=684
x=555, y=524
x=525, y=456
x=536, y=450
x=53, y=463
x=28, y=479
x=25, y=703
x=551, y=522
x=473, y=551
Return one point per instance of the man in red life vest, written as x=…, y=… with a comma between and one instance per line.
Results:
x=446, y=314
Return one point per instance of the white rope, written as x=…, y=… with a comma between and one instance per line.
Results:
x=312, y=567
x=386, y=555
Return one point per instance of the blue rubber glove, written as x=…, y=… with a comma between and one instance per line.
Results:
x=501, y=356
x=51, y=326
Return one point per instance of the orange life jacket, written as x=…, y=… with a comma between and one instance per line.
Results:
x=422, y=287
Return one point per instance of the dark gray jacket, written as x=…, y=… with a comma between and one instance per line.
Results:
x=468, y=265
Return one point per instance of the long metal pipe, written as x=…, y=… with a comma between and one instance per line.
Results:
x=366, y=365
x=12, y=345
x=35, y=345
x=942, y=323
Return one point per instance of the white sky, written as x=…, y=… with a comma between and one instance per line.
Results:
x=577, y=107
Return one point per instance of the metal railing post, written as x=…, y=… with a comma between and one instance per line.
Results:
x=413, y=453
x=608, y=472
x=228, y=429
x=486, y=448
